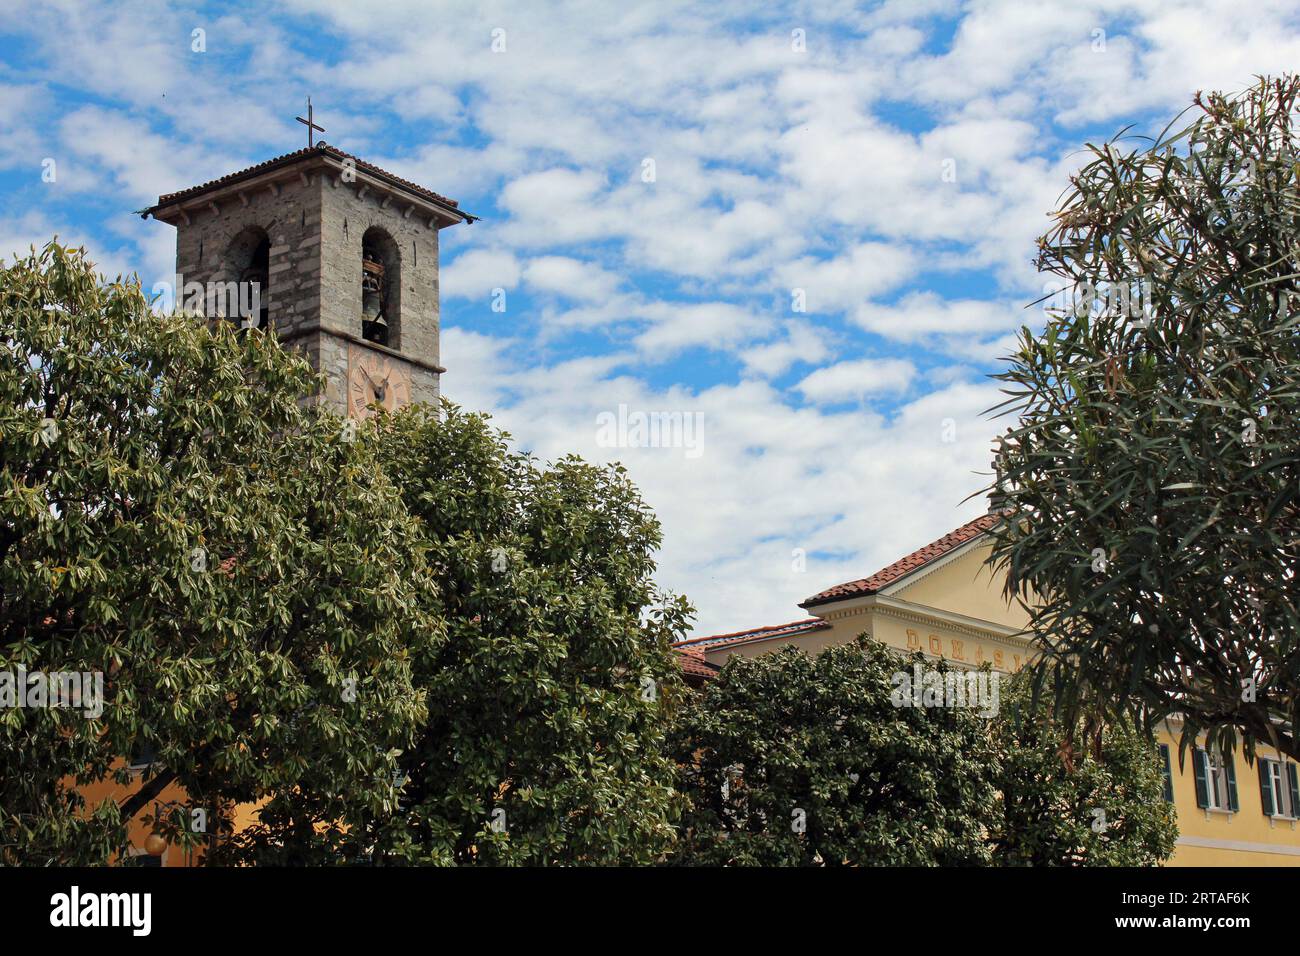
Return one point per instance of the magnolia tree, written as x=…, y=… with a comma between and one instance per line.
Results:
x=401, y=641
x=1152, y=483
x=1062, y=804
x=553, y=683
x=859, y=756
x=236, y=578
x=794, y=760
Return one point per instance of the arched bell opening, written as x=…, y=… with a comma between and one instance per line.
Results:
x=248, y=263
x=380, y=288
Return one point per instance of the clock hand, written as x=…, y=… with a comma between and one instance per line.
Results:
x=378, y=390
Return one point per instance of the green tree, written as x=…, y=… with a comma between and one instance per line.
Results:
x=548, y=699
x=174, y=516
x=1152, y=483
x=792, y=759
x=1062, y=805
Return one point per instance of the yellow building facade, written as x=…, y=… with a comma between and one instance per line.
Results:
x=944, y=601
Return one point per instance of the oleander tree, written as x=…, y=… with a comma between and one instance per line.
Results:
x=1067, y=798
x=247, y=580
x=791, y=759
x=1151, y=483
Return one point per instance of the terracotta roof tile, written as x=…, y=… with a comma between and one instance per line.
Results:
x=701, y=644
x=905, y=566
x=692, y=662
x=288, y=159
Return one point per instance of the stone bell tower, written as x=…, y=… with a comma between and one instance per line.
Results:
x=345, y=260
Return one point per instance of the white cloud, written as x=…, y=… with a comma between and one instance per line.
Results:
x=854, y=489
x=20, y=108
x=110, y=151
x=710, y=325
x=19, y=235
x=476, y=272
x=925, y=315
x=554, y=206
x=855, y=380
x=571, y=278
x=802, y=343
x=862, y=271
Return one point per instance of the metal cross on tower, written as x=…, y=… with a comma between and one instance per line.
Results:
x=310, y=124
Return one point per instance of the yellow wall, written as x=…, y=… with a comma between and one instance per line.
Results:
x=1245, y=838
x=957, y=611
x=242, y=815
x=108, y=789
x=966, y=585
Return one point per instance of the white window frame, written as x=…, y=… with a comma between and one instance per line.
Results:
x=1216, y=782
x=1277, y=781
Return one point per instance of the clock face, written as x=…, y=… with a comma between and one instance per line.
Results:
x=376, y=380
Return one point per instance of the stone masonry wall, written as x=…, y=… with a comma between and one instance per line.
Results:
x=348, y=210
x=291, y=218
x=315, y=230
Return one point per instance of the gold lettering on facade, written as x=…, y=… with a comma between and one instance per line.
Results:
x=936, y=645
x=997, y=661
x=913, y=640
x=958, y=650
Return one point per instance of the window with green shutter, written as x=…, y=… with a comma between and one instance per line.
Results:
x=1277, y=788
x=1230, y=775
x=1168, y=773
x=1200, y=767
x=1216, y=781
x=1266, y=786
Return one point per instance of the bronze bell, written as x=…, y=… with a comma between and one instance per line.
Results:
x=374, y=326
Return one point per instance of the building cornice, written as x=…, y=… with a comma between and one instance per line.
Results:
x=242, y=187
x=366, y=343
x=1242, y=846
x=924, y=614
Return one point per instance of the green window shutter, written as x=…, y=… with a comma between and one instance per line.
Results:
x=1202, y=773
x=1294, y=785
x=1265, y=787
x=1169, y=773
x=1229, y=766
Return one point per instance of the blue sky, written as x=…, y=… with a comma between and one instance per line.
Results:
x=893, y=161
